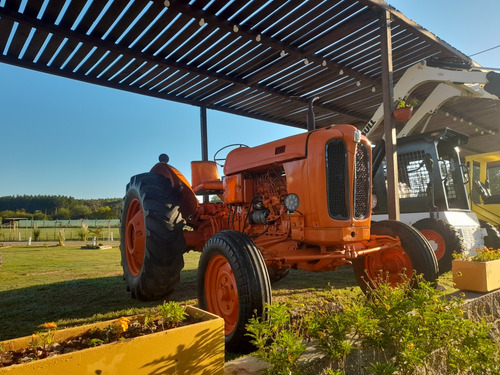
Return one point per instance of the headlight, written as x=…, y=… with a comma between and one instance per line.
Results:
x=292, y=202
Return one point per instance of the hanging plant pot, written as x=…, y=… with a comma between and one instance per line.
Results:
x=476, y=276
x=403, y=114
x=196, y=348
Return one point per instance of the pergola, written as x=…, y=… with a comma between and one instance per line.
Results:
x=269, y=60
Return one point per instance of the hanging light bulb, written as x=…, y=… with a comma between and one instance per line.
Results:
x=202, y=22
x=257, y=38
x=167, y=3
x=341, y=72
x=282, y=54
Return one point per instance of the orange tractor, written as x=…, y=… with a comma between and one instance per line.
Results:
x=300, y=202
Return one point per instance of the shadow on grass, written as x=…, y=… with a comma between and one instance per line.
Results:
x=23, y=311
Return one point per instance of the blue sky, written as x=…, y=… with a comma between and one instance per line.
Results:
x=63, y=137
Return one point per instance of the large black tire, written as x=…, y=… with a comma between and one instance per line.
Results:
x=444, y=239
x=492, y=238
x=152, y=240
x=233, y=283
x=414, y=255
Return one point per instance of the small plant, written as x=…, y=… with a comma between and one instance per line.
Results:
x=96, y=232
x=84, y=232
x=61, y=237
x=42, y=342
x=406, y=104
x=279, y=339
x=482, y=255
x=36, y=233
x=171, y=314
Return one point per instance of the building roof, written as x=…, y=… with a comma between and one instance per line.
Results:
x=264, y=60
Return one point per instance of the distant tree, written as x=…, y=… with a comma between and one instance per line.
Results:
x=80, y=211
x=62, y=214
x=104, y=213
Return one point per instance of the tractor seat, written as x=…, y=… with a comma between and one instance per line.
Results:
x=205, y=178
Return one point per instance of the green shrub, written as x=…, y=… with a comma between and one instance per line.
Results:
x=409, y=326
x=279, y=339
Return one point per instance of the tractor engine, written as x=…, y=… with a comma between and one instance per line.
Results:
x=264, y=210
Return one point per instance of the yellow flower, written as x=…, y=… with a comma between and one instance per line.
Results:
x=124, y=322
x=462, y=294
x=50, y=325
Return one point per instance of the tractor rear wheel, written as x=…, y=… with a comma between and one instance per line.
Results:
x=233, y=283
x=393, y=265
x=444, y=239
x=492, y=238
x=152, y=240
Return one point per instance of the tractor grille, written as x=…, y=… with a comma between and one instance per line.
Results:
x=362, y=182
x=336, y=169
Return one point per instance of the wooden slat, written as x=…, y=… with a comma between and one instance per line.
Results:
x=91, y=61
x=65, y=52
x=35, y=44
x=90, y=16
x=5, y=30
x=104, y=63
x=18, y=41
x=78, y=57
x=52, y=11
x=125, y=21
x=109, y=18
x=50, y=49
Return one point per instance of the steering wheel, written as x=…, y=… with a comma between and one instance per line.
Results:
x=220, y=161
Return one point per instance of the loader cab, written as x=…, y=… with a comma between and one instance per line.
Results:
x=430, y=175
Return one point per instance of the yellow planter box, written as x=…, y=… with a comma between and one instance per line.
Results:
x=192, y=349
x=476, y=276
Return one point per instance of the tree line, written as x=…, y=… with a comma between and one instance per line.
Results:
x=57, y=207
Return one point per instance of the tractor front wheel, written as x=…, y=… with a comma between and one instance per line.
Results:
x=444, y=239
x=394, y=264
x=152, y=240
x=233, y=283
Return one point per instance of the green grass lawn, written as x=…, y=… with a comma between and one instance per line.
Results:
x=69, y=286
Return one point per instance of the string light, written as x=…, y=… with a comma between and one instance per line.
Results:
x=257, y=38
x=202, y=22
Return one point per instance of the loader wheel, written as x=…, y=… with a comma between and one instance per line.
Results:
x=492, y=238
x=233, y=283
x=444, y=239
x=415, y=254
x=152, y=240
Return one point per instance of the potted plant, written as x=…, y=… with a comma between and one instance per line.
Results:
x=109, y=348
x=404, y=110
x=480, y=273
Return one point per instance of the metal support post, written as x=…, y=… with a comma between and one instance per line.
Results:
x=389, y=122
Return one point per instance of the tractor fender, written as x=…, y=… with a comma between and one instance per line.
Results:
x=189, y=202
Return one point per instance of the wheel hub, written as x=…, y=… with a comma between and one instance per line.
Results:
x=135, y=237
x=389, y=265
x=221, y=293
